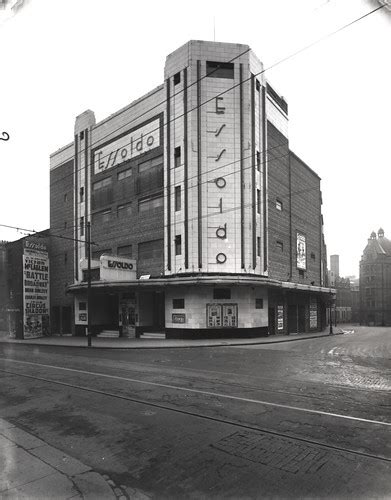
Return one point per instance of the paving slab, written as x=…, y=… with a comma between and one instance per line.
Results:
x=56, y=486
x=60, y=461
x=18, y=468
x=22, y=438
x=31, y=469
x=5, y=443
x=93, y=486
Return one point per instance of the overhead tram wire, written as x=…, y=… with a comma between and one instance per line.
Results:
x=37, y=235
x=325, y=37
x=270, y=173
x=161, y=103
x=123, y=199
x=269, y=160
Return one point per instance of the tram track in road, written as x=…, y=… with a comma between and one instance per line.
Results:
x=200, y=415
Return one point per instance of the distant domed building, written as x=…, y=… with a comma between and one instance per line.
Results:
x=375, y=281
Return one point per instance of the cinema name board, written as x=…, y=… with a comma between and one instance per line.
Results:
x=129, y=146
x=115, y=268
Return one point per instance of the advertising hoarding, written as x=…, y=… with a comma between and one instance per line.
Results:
x=301, y=251
x=35, y=289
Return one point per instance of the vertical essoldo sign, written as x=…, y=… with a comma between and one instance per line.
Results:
x=35, y=289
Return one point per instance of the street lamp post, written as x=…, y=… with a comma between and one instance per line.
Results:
x=330, y=315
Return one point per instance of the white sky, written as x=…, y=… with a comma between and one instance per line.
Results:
x=61, y=57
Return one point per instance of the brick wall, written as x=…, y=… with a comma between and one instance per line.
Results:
x=296, y=189
x=62, y=224
x=136, y=226
x=306, y=218
x=278, y=190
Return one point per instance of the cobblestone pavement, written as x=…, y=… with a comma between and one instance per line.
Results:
x=302, y=419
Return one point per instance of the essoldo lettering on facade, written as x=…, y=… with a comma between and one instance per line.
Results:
x=203, y=222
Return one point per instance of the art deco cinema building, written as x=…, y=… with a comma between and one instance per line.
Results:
x=203, y=222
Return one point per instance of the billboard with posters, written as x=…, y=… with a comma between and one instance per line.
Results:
x=35, y=289
x=301, y=251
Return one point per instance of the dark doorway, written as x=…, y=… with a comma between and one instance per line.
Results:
x=55, y=320
x=292, y=318
x=159, y=311
x=301, y=320
x=66, y=320
x=272, y=321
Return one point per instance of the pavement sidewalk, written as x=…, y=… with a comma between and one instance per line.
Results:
x=32, y=469
x=124, y=343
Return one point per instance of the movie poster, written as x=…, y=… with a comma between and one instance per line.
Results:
x=301, y=252
x=35, y=289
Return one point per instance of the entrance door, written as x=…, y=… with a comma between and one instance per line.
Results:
x=272, y=321
x=292, y=318
x=301, y=319
x=128, y=317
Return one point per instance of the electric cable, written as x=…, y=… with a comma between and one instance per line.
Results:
x=306, y=47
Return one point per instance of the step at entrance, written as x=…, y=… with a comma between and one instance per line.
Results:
x=153, y=335
x=108, y=334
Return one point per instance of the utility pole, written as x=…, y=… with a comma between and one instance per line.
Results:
x=89, y=302
x=330, y=315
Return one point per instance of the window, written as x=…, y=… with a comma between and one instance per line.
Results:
x=124, y=210
x=125, y=251
x=177, y=78
x=279, y=205
x=81, y=192
x=154, y=162
x=82, y=135
x=65, y=225
x=257, y=85
x=258, y=161
x=101, y=184
x=222, y=293
x=258, y=303
x=65, y=257
x=177, y=156
x=312, y=256
x=82, y=306
x=177, y=198
x=219, y=69
x=258, y=246
x=101, y=217
x=178, y=303
x=124, y=174
x=102, y=193
x=65, y=197
x=81, y=226
x=280, y=245
x=150, y=203
x=259, y=201
x=178, y=244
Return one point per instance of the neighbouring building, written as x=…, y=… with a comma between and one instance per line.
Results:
x=3, y=284
x=202, y=220
x=27, y=300
x=342, y=312
x=355, y=289
x=375, y=281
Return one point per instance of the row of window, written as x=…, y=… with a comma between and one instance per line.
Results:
x=126, y=209
x=146, y=250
